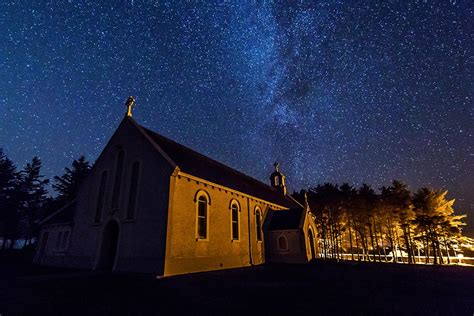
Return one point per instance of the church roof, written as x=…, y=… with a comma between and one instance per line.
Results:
x=287, y=219
x=64, y=215
x=196, y=164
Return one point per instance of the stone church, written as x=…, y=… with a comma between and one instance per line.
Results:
x=151, y=205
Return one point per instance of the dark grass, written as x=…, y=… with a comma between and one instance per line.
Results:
x=321, y=288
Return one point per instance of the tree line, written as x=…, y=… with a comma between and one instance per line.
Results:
x=392, y=225
x=24, y=197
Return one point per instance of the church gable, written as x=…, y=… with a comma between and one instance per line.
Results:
x=127, y=155
x=129, y=186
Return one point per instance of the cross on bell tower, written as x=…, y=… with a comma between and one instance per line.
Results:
x=130, y=103
x=277, y=179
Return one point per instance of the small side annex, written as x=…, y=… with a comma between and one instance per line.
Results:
x=55, y=236
x=291, y=236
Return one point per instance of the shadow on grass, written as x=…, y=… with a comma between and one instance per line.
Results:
x=319, y=288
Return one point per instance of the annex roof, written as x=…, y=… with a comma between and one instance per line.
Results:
x=64, y=215
x=286, y=219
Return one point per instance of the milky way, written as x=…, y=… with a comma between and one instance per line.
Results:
x=335, y=91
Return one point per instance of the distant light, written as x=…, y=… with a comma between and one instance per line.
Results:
x=460, y=255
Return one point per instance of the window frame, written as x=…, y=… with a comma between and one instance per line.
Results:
x=202, y=194
x=136, y=191
x=59, y=240
x=63, y=238
x=236, y=204
x=118, y=180
x=66, y=238
x=282, y=237
x=101, y=192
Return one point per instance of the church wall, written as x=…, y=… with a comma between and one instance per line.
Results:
x=142, y=239
x=186, y=253
x=54, y=250
x=294, y=253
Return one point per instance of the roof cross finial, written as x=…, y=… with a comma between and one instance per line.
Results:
x=277, y=166
x=129, y=104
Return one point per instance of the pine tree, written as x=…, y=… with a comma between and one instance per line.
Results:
x=67, y=185
x=435, y=220
x=398, y=198
x=33, y=195
x=9, y=216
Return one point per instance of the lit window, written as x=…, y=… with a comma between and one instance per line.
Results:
x=202, y=208
x=277, y=180
x=258, y=222
x=282, y=243
x=235, y=220
x=118, y=179
x=132, y=197
x=100, y=197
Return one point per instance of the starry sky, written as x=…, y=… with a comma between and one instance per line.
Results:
x=336, y=91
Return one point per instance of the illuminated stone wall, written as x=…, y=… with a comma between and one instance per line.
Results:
x=186, y=253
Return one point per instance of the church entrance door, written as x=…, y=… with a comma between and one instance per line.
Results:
x=311, y=243
x=108, y=250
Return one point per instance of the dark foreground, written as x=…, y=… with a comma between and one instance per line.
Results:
x=318, y=289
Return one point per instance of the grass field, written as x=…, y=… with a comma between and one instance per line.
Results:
x=321, y=288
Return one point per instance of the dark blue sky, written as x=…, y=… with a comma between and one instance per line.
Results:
x=354, y=91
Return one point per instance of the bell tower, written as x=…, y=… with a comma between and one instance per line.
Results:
x=277, y=179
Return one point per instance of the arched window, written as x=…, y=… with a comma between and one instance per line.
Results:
x=202, y=216
x=235, y=209
x=258, y=224
x=282, y=243
x=118, y=179
x=132, y=196
x=100, y=196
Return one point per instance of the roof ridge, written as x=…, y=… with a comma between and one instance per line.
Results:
x=208, y=158
x=144, y=130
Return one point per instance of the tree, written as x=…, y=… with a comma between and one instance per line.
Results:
x=348, y=196
x=398, y=198
x=33, y=195
x=435, y=221
x=67, y=185
x=366, y=223
x=367, y=203
x=326, y=204
x=9, y=216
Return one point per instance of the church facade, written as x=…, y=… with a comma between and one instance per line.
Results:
x=151, y=205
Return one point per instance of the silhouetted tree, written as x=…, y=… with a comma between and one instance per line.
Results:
x=33, y=195
x=9, y=202
x=67, y=185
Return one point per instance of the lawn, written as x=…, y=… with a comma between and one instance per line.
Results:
x=321, y=288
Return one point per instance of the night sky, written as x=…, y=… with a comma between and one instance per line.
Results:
x=336, y=91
